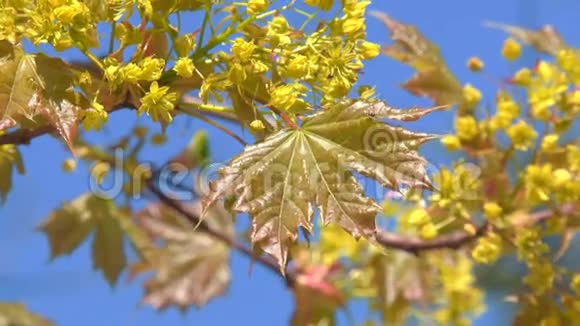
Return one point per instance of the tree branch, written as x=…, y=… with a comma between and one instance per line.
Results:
x=202, y=226
x=458, y=239
x=415, y=245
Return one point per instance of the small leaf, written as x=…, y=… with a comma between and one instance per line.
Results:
x=433, y=78
x=546, y=39
x=9, y=159
x=191, y=267
x=69, y=226
x=16, y=314
x=197, y=152
x=108, y=250
x=436, y=84
x=278, y=180
x=17, y=81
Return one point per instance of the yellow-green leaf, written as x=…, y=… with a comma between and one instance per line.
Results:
x=108, y=250
x=191, y=267
x=433, y=78
x=67, y=227
x=9, y=159
x=277, y=181
x=17, y=81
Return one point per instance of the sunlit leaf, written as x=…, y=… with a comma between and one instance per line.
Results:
x=16, y=314
x=546, y=39
x=17, y=81
x=278, y=180
x=191, y=267
x=9, y=160
x=69, y=226
x=433, y=78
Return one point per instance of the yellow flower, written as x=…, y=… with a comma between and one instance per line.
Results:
x=561, y=177
x=237, y=73
x=94, y=117
x=492, y=210
x=539, y=180
x=451, y=142
x=243, y=50
x=428, y=231
x=258, y=125
x=353, y=27
x=158, y=103
x=369, y=50
x=69, y=165
x=507, y=110
x=257, y=6
x=322, y=4
x=523, y=77
x=151, y=68
x=298, y=66
x=487, y=249
x=466, y=128
x=184, y=67
x=549, y=142
x=522, y=135
x=569, y=60
x=287, y=97
x=471, y=97
x=475, y=64
x=419, y=217
x=511, y=49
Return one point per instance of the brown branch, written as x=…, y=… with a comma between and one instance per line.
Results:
x=415, y=245
x=202, y=226
x=458, y=239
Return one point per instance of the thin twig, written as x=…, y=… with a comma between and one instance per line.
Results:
x=215, y=124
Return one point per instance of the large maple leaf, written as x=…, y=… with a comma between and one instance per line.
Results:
x=280, y=180
x=191, y=267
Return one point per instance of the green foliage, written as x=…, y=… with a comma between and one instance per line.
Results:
x=69, y=226
x=291, y=85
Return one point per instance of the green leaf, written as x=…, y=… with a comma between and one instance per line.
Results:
x=16, y=314
x=433, y=78
x=191, y=267
x=9, y=159
x=197, y=153
x=32, y=85
x=17, y=77
x=108, y=249
x=278, y=180
x=546, y=39
x=69, y=226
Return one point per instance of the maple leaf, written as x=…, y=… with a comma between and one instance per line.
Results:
x=433, y=78
x=278, y=180
x=401, y=280
x=546, y=39
x=9, y=158
x=191, y=267
x=67, y=227
x=35, y=84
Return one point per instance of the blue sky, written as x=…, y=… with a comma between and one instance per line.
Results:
x=69, y=292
